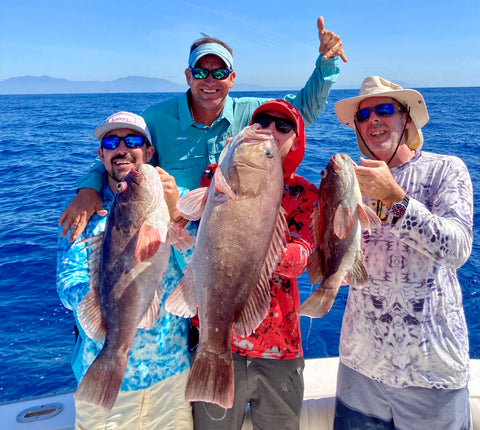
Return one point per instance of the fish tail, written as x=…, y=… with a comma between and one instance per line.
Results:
x=319, y=302
x=101, y=383
x=211, y=379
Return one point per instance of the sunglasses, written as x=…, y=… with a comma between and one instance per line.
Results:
x=112, y=142
x=201, y=73
x=281, y=124
x=384, y=109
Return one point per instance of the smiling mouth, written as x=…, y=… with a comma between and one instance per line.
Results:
x=122, y=162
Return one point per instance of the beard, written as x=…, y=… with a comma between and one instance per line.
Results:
x=116, y=172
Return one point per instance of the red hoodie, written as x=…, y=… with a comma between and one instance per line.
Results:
x=278, y=336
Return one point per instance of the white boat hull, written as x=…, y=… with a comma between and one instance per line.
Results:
x=57, y=412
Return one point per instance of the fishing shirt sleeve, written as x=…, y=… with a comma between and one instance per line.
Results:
x=300, y=197
x=72, y=265
x=312, y=98
x=440, y=228
x=72, y=271
x=94, y=178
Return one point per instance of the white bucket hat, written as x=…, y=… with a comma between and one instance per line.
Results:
x=375, y=86
x=123, y=120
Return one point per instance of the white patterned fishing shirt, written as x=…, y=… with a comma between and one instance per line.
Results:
x=407, y=326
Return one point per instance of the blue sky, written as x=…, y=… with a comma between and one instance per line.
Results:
x=415, y=43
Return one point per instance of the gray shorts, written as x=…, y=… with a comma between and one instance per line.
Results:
x=363, y=403
x=272, y=388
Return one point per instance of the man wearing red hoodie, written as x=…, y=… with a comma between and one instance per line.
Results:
x=268, y=364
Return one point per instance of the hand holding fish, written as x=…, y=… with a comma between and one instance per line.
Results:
x=171, y=195
x=79, y=211
x=376, y=182
x=330, y=43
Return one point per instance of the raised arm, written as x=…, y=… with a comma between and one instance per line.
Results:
x=312, y=98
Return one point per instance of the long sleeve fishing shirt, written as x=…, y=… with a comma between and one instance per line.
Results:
x=407, y=327
x=279, y=336
x=156, y=354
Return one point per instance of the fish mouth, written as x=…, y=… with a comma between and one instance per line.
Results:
x=136, y=176
x=240, y=163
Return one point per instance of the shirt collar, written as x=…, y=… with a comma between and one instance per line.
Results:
x=186, y=117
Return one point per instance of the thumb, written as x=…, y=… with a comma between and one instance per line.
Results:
x=367, y=162
x=100, y=210
x=320, y=25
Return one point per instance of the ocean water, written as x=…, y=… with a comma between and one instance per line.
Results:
x=46, y=143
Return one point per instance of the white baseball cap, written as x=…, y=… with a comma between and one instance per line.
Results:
x=123, y=120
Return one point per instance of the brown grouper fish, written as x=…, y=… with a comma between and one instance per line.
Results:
x=337, y=224
x=240, y=237
x=126, y=266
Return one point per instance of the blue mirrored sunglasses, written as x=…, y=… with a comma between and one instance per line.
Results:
x=219, y=74
x=112, y=142
x=281, y=124
x=384, y=109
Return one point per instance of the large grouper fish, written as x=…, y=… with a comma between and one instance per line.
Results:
x=127, y=264
x=337, y=224
x=241, y=234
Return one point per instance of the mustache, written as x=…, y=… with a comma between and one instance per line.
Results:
x=125, y=157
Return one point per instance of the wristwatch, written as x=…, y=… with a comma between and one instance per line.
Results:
x=398, y=209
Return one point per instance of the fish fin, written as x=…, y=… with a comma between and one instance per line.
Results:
x=314, y=219
x=152, y=312
x=192, y=204
x=342, y=221
x=102, y=382
x=367, y=217
x=148, y=242
x=221, y=185
x=321, y=300
x=315, y=267
x=94, y=246
x=89, y=313
x=258, y=303
x=179, y=237
x=358, y=274
x=211, y=378
x=255, y=309
x=182, y=301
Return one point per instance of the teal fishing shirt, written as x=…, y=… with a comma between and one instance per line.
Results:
x=156, y=354
x=184, y=149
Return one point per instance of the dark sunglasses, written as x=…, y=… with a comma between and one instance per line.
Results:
x=112, y=142
x=201, y=73
x=384, y=109
x=281, y=124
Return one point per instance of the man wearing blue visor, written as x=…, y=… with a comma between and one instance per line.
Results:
x=190, y=131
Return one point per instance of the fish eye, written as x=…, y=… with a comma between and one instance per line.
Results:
x=323, y=173
x=269, y=154
x=119, y=186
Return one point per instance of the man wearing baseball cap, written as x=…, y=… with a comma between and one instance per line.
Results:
x=404, y=357
x=152, y=392
x=190, y=131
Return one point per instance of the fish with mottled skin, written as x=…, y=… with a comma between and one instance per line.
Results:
x=337, y=224
x=127, y=264
x=240, y=237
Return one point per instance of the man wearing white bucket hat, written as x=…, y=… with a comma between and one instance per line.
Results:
x=404, y=343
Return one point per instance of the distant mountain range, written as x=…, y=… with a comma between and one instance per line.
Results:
x=130, y=84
